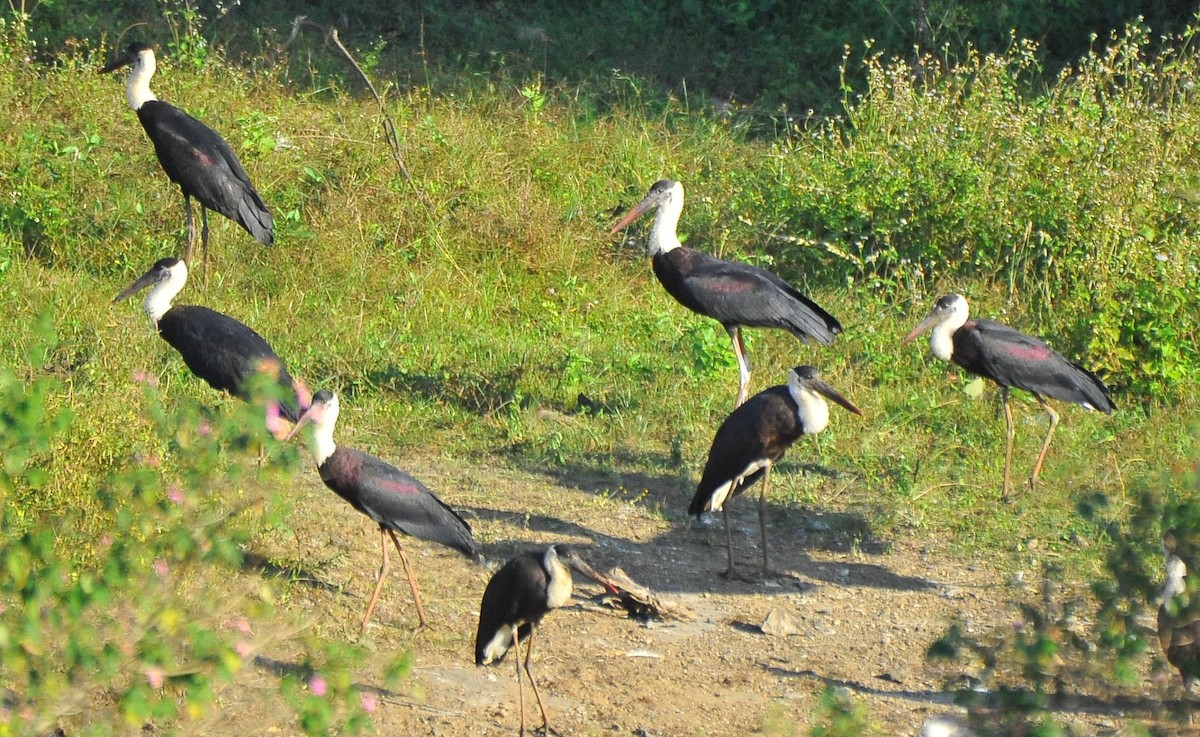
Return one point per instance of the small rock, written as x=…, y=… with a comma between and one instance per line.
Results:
x=779, y=623
x=945, y=726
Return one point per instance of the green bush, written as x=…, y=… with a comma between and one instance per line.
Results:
x=1074, y=205
x=111, y=625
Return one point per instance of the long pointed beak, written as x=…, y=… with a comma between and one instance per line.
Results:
x=117, y=63
x=927, y=323
x=828, y=391
x=304, y=420
x=142, y=282
x=634, y=214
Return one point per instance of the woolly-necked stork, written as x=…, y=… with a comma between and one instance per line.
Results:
x=193, y=156
x=1011, y=358
x=216, y=347
x=1179, y=622
x=392, y=499
x=734, y=294
x=756, y=435
x=516, y=599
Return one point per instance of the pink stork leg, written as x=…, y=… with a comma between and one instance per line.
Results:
x=191, y=227
x=412, y=579
x=1008, y=424
x=541, y=707
x=739, y=352
x=383, y=568
x=731, y=571
x=204, y=238
x=1037, y=467
x=520, y=687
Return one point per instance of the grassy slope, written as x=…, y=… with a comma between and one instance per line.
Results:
x=454, y=328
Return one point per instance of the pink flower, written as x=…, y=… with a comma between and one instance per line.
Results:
x=155, y=676
x=175, y=494
x=145, y=377
x=317, y=685
x=203, y=429
x=369, y=703
x=243, y=648
x=161, y=568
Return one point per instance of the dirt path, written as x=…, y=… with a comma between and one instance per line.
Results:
x=864, y=617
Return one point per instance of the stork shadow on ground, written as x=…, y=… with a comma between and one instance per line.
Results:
x=547, y=527
x=305, y=671
x=255, y=562
x=479, y=393
x=685, y=558
x=1060, y=702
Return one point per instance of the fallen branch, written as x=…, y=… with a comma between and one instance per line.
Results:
x=641, y=602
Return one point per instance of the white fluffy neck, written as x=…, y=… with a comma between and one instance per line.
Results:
x=941, y=338
x=558, y=590
x=158, y=300
x=663, y=237
x=1174, y=585
x=322, y=444
x=811, y=407
x=137, y=87
x=322, y=435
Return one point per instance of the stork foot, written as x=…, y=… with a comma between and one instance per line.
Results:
x=733, y=574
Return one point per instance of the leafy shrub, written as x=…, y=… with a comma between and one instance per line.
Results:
x=1073, y=202
x=106, y=626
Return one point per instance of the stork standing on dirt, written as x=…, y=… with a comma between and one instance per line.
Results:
x=516, y=600
x=392, y=499
x=734, y=294
x=193, y=156
x=1011, y=358
x=756, y=435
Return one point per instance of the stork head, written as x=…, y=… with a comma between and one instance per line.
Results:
x=323, y=414
x=666, y=198
x=809, y=391
x=166, y=278
x=140, y=58
x=948, y=315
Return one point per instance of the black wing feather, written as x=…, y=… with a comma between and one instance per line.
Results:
x=761, y=429
x=396, y=500
x=1012, y=358
x=741, y=294
x=222, y=351
x=196, y=158
x=516, y=593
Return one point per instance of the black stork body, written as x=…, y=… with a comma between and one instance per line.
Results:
x=1179, y=620
x=1011, y=358
x=392, y=499
x=516, y=599
x=216, y=347
x=193, y=156
x=734, y=294
x=756, y=435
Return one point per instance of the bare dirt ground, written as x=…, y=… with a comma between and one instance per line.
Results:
x=864, y=615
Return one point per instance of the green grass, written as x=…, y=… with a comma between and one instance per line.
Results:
x=469, y=327
x=450, y=327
